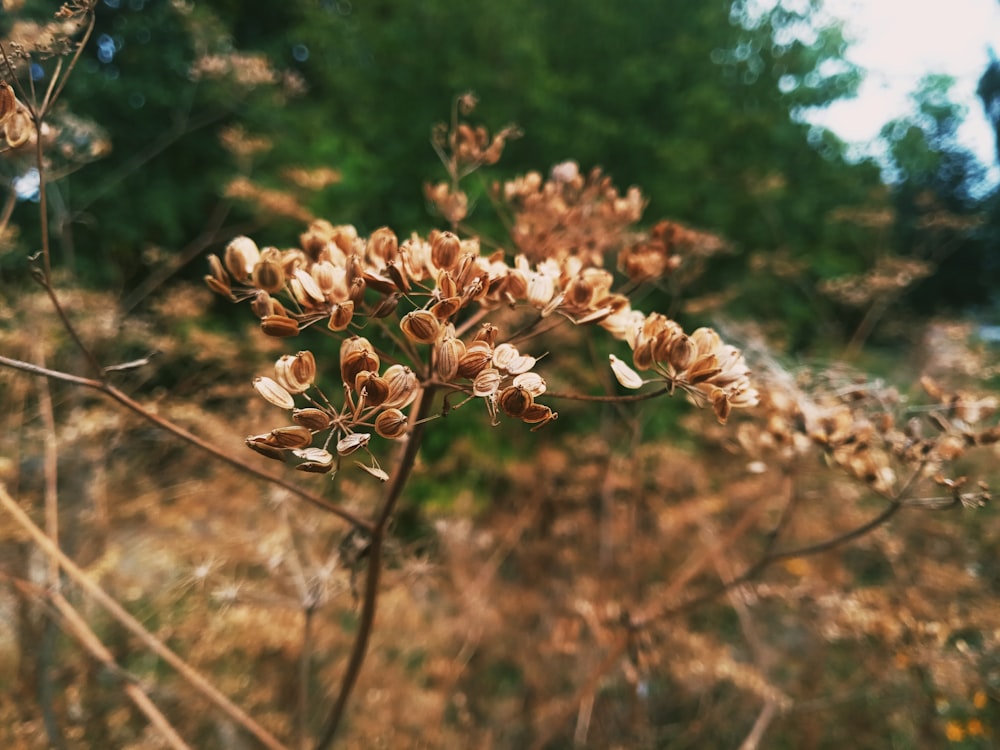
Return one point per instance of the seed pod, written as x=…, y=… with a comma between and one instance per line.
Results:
x=515, y=401
x=312, y=418
x=391, y=424
x=478, y=356
x=486, y=383
x=704, y=369
x=291, y=437
x=420, y=326
x=541, y=289
x=274, y=393
x=504, y=354
x=445, y=247
x=316, y=460
x=341, y=316
x=357, y=362
x=447, y=355
x=350, y=443
x=403, y=386
x=446, y=285
x=538, y=413
x=487, y=333
x=279, y=326
x=531, y=382
x=680, y=353
x=353, y=344
x=397, y=273
x=383, y=244
x=446, y=308
x=376, y=389
x=241, y=256
x=264, y=449
x=296, y=373
x=269, y=276
x=624, y=374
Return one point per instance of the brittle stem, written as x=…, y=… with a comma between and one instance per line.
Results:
x=374, y=568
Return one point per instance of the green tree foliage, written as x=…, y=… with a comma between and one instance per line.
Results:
x=694, y=102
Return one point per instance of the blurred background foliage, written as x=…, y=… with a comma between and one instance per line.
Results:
x=699, y=104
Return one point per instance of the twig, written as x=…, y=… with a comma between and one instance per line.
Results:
x=79, y=630
x=374, y=568
x=111, y=392
x=150, y=641
x=51, y=463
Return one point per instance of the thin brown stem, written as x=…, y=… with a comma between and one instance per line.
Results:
x=51, y=464
x=374, y=568
x=150, y=641
x=113, y=393
x=75, y=625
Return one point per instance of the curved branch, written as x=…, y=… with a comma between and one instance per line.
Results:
x=113, y=393
x=191, y=675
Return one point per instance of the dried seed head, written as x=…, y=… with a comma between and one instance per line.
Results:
x=296, y=372
x=538, y=414
x=374, y=388
x=531, y=382
x=357, y=362
x=446, y=285
x=383, y=244
x=680, y=353
x=487, y=333
x=241, y=256
x=420, y=326
x=515, y=401
x=478, y=356
x=446, y=308
x=269, y=274
x=314, y=419
x=447, y=355
x=391, y=424
x=486, y=383
x=274, y=393
x=279, y=326
x=291, y=437
x=316, y=460
x=445, y=247
x=350, y=443
x=341, y=316
x=264, y=449
x=403, y=386
x=305, y=289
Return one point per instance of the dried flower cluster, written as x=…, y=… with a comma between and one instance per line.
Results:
x=868, y=431
x=423, y=303
x=889, y=276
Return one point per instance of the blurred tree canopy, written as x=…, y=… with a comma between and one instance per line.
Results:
x=695, y=103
